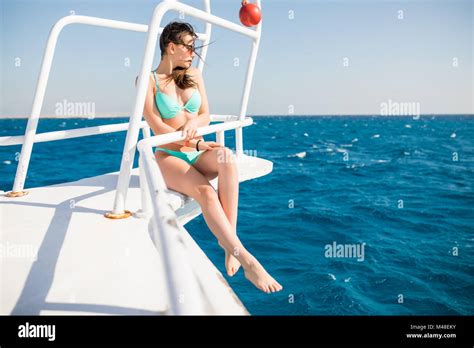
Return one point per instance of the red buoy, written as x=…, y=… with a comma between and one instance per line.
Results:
x=250, y=14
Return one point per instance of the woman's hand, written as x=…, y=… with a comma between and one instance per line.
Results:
x=208, y=145
x=190, y=128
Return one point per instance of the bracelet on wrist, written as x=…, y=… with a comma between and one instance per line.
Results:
x=197, y=144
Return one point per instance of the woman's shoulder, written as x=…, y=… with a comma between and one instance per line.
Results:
x=194, y=73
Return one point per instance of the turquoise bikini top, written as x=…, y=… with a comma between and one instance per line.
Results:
x=169, y=106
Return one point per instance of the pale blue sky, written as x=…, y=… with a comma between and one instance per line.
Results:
x=300, y=61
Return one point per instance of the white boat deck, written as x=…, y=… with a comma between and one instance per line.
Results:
x=88, y=264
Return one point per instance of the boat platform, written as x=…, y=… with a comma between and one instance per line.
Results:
x=61, y=255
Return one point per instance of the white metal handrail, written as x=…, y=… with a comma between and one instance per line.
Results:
x=30, y=134
x=150, y=46
x=136, y=122
x=167, y=138
x=68, y=133
x=181, y=282
x=184, y=295
x=87, y=131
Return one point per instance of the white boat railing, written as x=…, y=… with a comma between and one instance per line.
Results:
x=184, y=293
x=136, y=119
x=31, y=136
x=87, y=131
x=68, y=133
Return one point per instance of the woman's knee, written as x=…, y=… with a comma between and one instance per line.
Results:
x=206, y=193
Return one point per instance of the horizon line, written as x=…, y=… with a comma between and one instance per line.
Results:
x=259, y=115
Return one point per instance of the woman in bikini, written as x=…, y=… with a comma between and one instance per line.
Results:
x=176, y=100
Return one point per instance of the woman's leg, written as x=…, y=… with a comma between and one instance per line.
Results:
x=182, y=177
x=221, y=162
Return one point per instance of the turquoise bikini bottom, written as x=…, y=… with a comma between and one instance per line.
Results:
x=191, y=157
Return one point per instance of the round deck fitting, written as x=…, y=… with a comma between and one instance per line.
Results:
x=124, y=215
x=12, y=194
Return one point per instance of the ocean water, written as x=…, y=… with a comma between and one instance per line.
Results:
x=399, y=189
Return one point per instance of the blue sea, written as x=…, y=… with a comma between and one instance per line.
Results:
x=398, y=189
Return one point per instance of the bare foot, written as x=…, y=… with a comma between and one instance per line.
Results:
x=260, y=278
x=232, y=265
